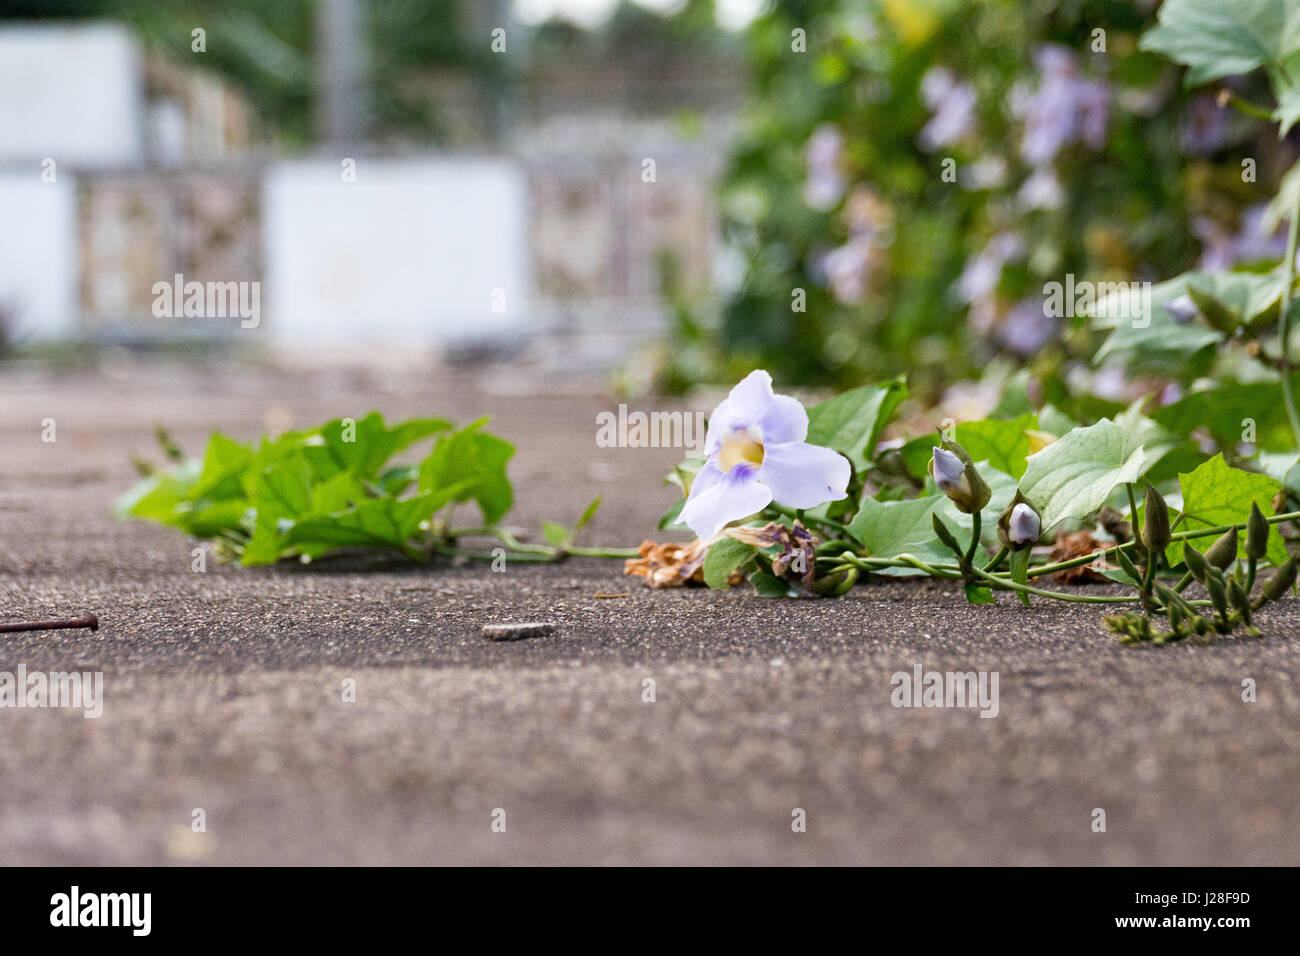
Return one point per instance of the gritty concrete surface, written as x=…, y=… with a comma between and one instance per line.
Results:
x=223, y=689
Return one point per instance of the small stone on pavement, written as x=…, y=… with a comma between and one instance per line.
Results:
x=515, y=632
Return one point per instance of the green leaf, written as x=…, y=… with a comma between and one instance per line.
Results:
x=1218, y=494
x=669, y=518
x=588, y=514
x=1075, y=475
x=375, y=522
x=768, y=585
x=224, y=461
x=557, y=535
x=1002, y=444
x=851, y=422
x=979, y=594
x=475, y=462
x=365, y=445
x=1287, y=112
x=725, y=555
x=886, y=529
x=1226, y=410
x=1218, y=38
x=1143, y=330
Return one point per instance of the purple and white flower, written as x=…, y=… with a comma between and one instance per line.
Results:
x=756, y=455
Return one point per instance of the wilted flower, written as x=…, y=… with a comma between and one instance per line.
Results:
x=757, y=454
x=669, y=565
x=791, y=549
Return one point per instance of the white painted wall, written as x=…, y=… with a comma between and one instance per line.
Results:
x=38, y=254
x=73, y=92
x=409, y=254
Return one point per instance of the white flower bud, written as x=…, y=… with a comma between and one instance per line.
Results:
x=948, y=471
x=1024, y=526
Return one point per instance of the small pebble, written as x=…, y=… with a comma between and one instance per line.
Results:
x=515, y=632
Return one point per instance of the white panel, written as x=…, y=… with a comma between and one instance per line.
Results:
x=38, y=254
x=71, y=92
x=413, y=252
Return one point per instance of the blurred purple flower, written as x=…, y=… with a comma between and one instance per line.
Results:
x=1250, y=243
x=979, y=279
x=1042, y=190
x=1026, y=329
x=1204, y=128
x=848, y=268
x=952, y=105
x=825, y=185
x=1065, y=108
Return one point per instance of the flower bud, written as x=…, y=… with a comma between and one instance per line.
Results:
x=949, y=473
x=1025, y=525
x=1019, y=525
x=955, y=474
x=1127, y=565
x=1155, y=527
x=1195, y=562
x=1217, y=588
x=1280, y=581
x=1224, y=551
x=1240, y=599
x=1256, y=533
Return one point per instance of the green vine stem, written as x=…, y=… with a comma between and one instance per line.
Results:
x=1000, y=582
x=1129, y=545
x=946, y=572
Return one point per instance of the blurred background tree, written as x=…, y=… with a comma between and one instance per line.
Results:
x=266, y=51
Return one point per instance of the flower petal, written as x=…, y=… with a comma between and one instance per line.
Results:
x=734, y=495
x=784, y=421
x=748, y=402
x=804, y=476
x=753, y=405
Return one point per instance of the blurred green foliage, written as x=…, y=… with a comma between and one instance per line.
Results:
x=1072, y=150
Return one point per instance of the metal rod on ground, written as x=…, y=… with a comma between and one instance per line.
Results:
x=89, y=621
